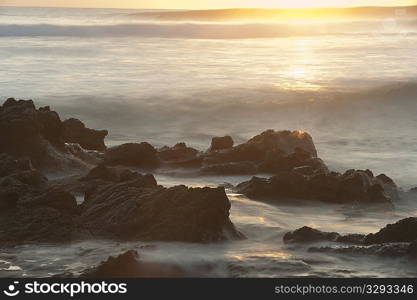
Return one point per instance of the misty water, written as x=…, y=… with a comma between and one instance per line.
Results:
x=352, y=84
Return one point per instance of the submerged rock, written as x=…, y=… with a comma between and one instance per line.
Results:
x=307, y=235
x=141, y=155
x=74, y=131
x=48, y=216
x=354, y=186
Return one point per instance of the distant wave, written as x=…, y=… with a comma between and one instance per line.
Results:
x=257, y=13
x=207, y=30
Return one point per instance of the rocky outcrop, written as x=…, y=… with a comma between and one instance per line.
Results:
x=17, y=178
x=142, y=155
x=404, y=230
x=38, y=134
x=180, y=156
x=118, y=204
x=74, y=131
x=270, y=151
x=354, y=186
x=394, y=240
x=221, y=143
x=31, y=209
x=26, y=131
x=140, y=209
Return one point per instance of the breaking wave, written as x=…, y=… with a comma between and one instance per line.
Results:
x=210, y=30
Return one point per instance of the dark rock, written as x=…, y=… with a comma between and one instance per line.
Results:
x=139, y=209
x=270, y=152
x=37, y=224
x=284, y=141
x=220, y=143
x=404, y=230
x=37, y=134
x=141, y=155
x=49, y=216
x=308, y=234
x=180, y=156
x=55, y=198
x=74, y=131
x=17, y=178
x=353, y=186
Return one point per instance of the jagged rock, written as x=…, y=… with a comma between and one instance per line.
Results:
x=404, y=230
x=220, y=143
x=17, y=178
x=354, y=186
x=139, y=209
x=54, y=198
x=25, y=131
x=180, y=156
x=394, y=240
x=270, y=152
x=37, y=134
x=74, y=131
x=141, y=155
x=48, y=216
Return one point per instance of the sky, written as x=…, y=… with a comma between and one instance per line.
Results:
x=205, y=4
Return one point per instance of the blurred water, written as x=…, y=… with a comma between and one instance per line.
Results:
x=351, y=84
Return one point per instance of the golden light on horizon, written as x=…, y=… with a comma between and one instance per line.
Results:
x=206, y=4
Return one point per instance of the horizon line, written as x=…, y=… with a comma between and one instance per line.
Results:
x=205, y=9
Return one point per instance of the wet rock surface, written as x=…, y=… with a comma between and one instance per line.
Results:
x=39, y=134
x=221, y=143
x=180, y=156
x=394, y=240
x=404, y=230
x=74, y=131
x=270, y=151
x=354, y=186
x=138, y=208
x=142, y=155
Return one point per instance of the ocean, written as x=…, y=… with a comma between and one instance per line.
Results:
x=166, y=76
